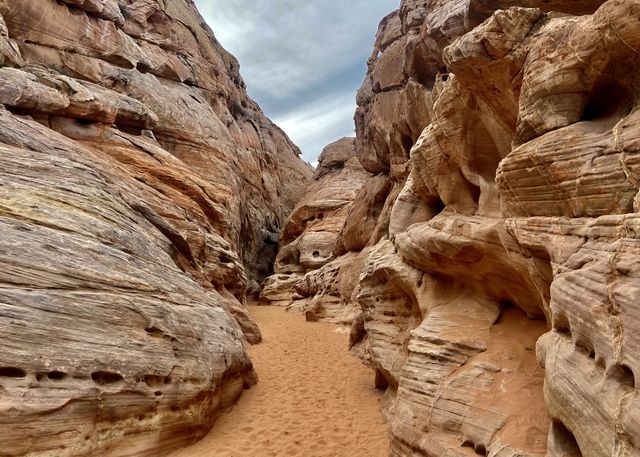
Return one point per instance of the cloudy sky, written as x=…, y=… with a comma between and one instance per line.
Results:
x=302, y=60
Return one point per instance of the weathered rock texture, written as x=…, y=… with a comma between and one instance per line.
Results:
x=309, y=274
x=498, y=238
x=141, y=193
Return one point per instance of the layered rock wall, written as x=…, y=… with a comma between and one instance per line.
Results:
x=497, y=236
x=306, y=266
x=141, y=195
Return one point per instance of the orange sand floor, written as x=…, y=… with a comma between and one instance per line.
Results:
x=313, y=399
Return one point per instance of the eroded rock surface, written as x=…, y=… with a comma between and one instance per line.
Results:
x=495, y=244
x=308, y=264
x=141, y=194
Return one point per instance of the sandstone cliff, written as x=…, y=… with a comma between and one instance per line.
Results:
x=498, y=236
x=307, y=275
x=141, y=194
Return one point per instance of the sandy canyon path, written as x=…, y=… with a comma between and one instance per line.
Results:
x=313, y=399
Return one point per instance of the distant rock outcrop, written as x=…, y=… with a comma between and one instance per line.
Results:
x=306, y=266
x=141, y=194
x=493, y=253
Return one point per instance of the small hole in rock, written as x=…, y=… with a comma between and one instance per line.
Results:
x=381, y=382
x=562, y=441
x=56, y=375
x=407, y=144
x=316, y=254
x=143, y=67
x=438, y=206
x=153, y=380
x=154, y=331
x=623, y=375
x=444, y=73
x=85, y=121
x=583, y=345
x=125, y=12
x=480, y=449
x=608, y=100
x=106, y=377
x=505, y=305
x=157, y=393
x=561, y=325
x=131, y=130
x=12, y=372
x=475, y=193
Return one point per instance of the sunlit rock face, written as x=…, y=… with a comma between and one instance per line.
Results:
x=141, y=193
x=496, y=242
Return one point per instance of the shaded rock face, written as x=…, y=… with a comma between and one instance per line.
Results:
x=493, y=250
x=141, y=196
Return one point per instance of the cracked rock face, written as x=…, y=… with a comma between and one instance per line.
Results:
x=141, y=193
x=493, y=262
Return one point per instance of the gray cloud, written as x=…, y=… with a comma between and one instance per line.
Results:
x=302, y=61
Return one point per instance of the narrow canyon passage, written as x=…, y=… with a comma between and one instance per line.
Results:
x=313, y=398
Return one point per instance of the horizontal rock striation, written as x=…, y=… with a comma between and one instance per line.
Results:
x=141, y=193
x=493, y=251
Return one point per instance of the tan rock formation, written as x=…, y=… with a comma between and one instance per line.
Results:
x=522, y=128
x=497, y=245
x=141, y=194
x=308, y=257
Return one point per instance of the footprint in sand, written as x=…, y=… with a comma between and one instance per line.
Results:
x=299, y=407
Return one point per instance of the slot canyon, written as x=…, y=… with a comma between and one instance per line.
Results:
x=461, y=278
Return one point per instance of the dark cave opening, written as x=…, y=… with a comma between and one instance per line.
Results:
x=608, y=100
x=563, y=441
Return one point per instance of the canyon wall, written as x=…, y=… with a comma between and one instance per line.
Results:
x=141, y=196
x=490, y=263
x=308, y=273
